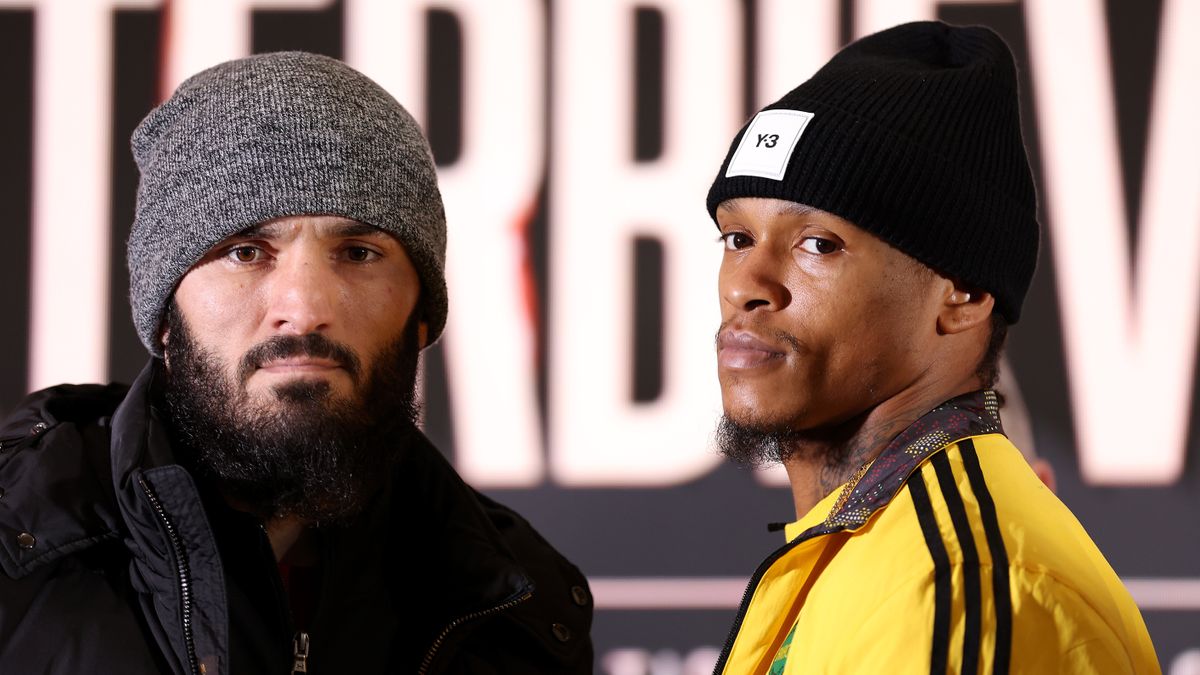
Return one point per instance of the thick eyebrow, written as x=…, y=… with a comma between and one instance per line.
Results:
x=355, y=229
x=350, y=228
x=260, y=231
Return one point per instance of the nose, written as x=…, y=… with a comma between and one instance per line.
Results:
x=303, y=293
x=754, y=281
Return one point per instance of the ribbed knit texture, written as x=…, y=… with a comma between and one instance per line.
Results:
x=916, y=138
x=275, y=135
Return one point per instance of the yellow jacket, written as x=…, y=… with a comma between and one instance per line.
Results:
x=947, y=555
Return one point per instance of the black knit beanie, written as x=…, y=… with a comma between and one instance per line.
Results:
x=913, y=134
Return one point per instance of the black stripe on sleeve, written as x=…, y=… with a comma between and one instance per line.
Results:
x=941, y=573
x=970, y=567
x=995, y=541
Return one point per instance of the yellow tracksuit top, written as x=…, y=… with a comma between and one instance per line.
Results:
x=947, y=555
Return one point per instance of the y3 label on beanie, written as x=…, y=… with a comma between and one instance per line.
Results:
x=768, y=143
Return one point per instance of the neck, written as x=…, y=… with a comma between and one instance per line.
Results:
x=293, y=541
x=822, y=461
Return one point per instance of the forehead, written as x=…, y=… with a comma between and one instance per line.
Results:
x=320, y=226
x=761, y=207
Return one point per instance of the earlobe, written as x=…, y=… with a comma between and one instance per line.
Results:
x=422, y=335
x=964, y=309
x=163, y=339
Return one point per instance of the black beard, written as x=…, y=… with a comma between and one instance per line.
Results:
x=758, y=445
x=752, y=445
x=312, y=456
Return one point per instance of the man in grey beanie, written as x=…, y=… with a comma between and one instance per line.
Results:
x=261, y=499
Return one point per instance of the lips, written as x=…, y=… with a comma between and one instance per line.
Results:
x=299, y=365
x=743, y=350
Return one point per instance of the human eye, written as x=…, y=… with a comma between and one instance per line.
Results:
x=819, y=245
x=360, y=254
x=736, y=241
x=245, y=253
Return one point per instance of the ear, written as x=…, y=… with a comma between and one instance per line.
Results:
x=164, y=336
x=963, y=308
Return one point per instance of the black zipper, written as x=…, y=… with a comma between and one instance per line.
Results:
x=809, y=534
x=301, y=641
x=300, y=649
x=9, y=443
x=441, y=638
x=815, y=531
x=183, y=573
x=744, y=605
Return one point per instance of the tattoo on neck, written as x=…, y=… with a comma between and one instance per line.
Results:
x=860, y=449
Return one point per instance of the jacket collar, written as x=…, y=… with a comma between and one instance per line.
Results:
x=967, y=415
x=971, y=414
x=176, y=568
x=139, y=439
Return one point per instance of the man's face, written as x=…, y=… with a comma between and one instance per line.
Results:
x=306, y=275
x=820, y=321
x=291, y=354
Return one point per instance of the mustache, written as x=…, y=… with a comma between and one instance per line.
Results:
x=782, y=336
x=313, y=345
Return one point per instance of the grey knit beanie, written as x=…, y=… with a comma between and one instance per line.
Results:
x=272, y=135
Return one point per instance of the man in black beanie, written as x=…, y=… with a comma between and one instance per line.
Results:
x=880, y=233
x=260, y=500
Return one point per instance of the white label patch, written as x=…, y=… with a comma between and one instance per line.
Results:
x=768, y=144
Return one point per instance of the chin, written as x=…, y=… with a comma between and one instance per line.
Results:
x=757, y=414
x=292, y=392
x=303, y=390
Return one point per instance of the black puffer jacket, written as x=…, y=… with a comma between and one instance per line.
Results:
x=114, y=560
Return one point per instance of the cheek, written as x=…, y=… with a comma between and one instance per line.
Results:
x=380, y=306
x=232, y=311
x=822, y=313
x=226, y=309
x=374, y=316
x=889, y=341
x=222, y=315
x=848, y=323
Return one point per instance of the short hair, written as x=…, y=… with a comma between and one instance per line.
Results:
x=988, y=368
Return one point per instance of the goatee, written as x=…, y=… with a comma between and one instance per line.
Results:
x=305, y=453
x=759, y=444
